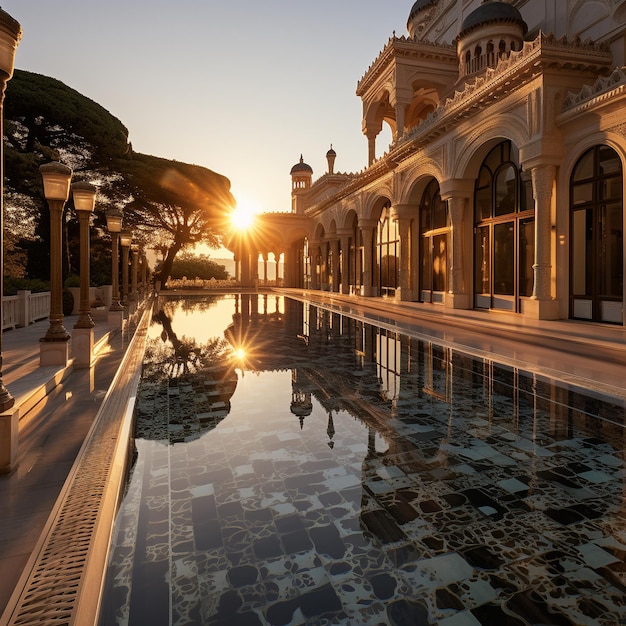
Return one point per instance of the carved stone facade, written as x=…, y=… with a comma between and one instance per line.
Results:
x=503, y=186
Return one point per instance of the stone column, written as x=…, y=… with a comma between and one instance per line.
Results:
x=400, y=101
x=324, y=266
x=314, y=251
x=456, y=210
x=371, y=147
x=334, y=246
x=345, y=263
x=265, y=255
x=237, y=260
x=457, y=193
x=367, y=227
x=541, y=304
x=402, y=213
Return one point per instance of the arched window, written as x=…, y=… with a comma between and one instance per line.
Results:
x=434, y=231
x=388, y=244
x=491, y=57
x=504, y=244
x=597, y=237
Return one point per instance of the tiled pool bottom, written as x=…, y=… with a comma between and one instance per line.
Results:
x=431, y=499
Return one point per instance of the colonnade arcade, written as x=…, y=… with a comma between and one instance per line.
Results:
x=493, y=240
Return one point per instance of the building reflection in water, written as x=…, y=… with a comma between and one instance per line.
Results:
x=376, y=372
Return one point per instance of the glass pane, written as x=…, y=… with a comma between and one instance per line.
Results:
x=495, y=158
x=582, y=194
x=611, y=188
x=526, y=256
x=440, y=212
x=484, y=178
x=482, y=270
x=611, y=251
x=581, y=252
x=608, y=161
x=584, y=167
x=425, y=214
x=426, y=268
x=506, y=190
x=504, y=259
x=483, y=204
x=440, y=266
x=527, y=202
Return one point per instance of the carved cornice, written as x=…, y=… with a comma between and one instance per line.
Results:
x=408, y=48
x=620, y=129
x=605, y=87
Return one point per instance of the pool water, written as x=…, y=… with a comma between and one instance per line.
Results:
x=296, y=466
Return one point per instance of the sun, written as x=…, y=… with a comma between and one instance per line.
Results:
x=242, y=217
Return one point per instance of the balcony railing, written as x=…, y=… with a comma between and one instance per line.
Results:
x=24, y=308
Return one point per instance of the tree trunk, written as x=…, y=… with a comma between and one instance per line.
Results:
x=168, y=262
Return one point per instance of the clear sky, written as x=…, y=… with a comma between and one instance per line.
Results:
x=239, y=86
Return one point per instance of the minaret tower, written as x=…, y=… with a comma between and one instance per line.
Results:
x=331, y=155
x=301, y=179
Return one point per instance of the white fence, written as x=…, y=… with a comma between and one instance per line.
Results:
x=24, y=308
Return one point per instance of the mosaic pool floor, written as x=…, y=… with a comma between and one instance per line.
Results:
x=357, y=477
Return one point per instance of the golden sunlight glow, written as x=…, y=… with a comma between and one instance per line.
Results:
x=243, y=216
x=241, y=354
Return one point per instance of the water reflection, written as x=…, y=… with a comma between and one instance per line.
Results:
x=416, y=484
x=181, y=368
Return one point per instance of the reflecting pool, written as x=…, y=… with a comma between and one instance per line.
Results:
x=296, y=466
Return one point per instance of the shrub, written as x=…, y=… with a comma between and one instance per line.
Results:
x=13, y=285
x=73, y=280
x=68, y=302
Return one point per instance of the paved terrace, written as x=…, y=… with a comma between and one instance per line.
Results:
x=58, y=406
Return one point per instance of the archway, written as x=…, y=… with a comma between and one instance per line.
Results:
x=597, y=237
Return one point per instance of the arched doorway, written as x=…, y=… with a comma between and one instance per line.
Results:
x=597, y=237
x=356, y=256
x=387, y=248
x=504, y=227
x=434, y=229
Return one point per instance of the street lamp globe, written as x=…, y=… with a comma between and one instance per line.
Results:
x=84, y=195
x=10, y=35
x=114, y=220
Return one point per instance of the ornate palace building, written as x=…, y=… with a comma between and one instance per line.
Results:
x=503, y=186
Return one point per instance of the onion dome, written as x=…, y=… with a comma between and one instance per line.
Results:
x=301, y=167
x=492, y=11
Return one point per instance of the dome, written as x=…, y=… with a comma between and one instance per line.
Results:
x=301, y=167
x=331, y=152
x=492, y=11
x=418, y=6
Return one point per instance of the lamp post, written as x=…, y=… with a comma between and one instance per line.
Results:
x=54, y=346
x=134, y=271
x=114, y=224
x=84, y=195
x=10, y=35
x=126, y=238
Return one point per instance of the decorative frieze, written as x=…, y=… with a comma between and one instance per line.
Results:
x=604, y=85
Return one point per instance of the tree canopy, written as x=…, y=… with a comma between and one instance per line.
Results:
x=168, y=205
